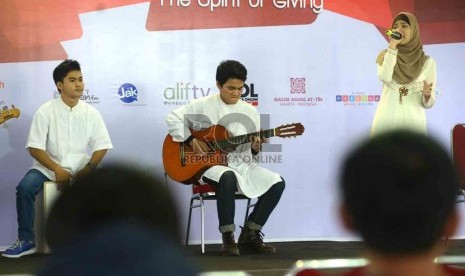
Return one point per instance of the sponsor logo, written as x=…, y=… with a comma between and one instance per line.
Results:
x=357, y=99
x=181, y=93
x=249, y=94
x=297, y=85
x=89, y=98
x=298, y=101
x=86, y=97
x=127, y=93
x=298, y=94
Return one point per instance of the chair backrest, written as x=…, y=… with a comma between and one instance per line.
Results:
x=458, y=150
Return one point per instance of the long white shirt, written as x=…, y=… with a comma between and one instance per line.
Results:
x=410, y=114
x=240, y=118
x=67, y=134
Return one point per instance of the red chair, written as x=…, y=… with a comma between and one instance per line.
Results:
x=207, y=192
x=457, y=143
x=457, y=148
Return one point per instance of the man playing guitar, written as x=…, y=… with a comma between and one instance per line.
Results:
x=241, y=173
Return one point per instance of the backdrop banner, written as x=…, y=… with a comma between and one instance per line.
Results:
x=308, y=61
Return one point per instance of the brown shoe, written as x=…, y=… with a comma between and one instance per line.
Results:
x=229, y=246
x=253, y=240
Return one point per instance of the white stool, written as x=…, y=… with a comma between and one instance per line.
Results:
x=43, y=204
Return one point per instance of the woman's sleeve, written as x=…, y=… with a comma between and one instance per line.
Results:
x=430, y=78
x=386, y=70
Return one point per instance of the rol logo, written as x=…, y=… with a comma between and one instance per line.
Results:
x=127, y=93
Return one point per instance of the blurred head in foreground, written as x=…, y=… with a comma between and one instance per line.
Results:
x=399, y=191
x=115, y=221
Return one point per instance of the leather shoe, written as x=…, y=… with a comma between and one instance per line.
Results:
x=253, y=240
x=229, y=246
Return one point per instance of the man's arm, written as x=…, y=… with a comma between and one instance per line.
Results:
x=178, y=122
x=42, y=157
x=178, y=125
x=94, y=161
x=97, y=157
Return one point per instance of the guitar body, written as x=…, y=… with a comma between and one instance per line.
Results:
x=182, y=165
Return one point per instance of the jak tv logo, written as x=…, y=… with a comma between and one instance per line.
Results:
x=127, y=93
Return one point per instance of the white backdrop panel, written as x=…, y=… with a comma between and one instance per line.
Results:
x=115, y=48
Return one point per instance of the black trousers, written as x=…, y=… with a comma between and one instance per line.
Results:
x=226, y=206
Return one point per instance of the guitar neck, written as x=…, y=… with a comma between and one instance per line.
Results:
x=235, y=141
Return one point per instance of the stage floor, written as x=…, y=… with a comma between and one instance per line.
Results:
x=254, y=264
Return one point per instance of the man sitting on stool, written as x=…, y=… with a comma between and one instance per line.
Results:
x=62, y=131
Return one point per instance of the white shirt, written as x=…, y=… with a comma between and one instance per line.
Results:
x=240, y=118
x=410, y=114
x=67, y=134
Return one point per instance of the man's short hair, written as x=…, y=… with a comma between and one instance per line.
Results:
x=230, y=69
x=64, y=68
x=399, y=189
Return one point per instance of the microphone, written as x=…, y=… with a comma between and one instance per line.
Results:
x=394, y=34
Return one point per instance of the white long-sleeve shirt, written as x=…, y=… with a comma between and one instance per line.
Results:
x=239, y=119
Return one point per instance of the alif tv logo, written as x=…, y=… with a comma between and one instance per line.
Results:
x=127, y=93
x=249, y=94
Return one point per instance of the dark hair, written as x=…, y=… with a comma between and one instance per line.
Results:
x=399, y=189
x=109, y=194
x=64, y=68
x=230, y=69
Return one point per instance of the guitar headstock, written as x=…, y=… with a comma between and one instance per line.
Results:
x=290, y=130
x=7, y=114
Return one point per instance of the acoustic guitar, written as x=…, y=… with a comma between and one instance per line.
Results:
x=7, y=114
x=183, y=165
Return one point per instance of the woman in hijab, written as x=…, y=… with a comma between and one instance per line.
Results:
x=409, y=80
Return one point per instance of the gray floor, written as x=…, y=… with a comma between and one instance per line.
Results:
x=254, y=264
x=287, y=255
